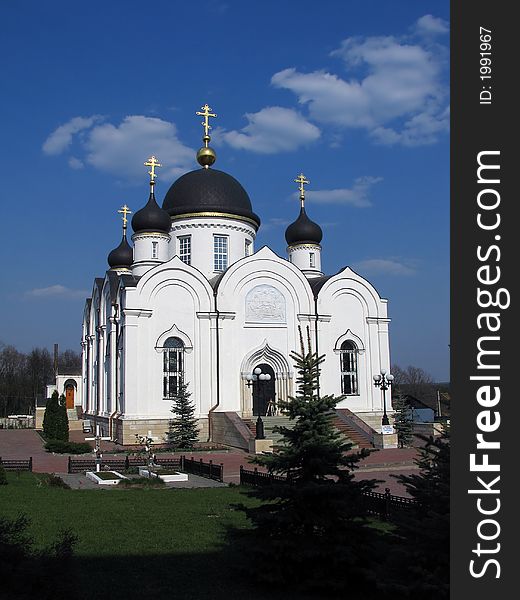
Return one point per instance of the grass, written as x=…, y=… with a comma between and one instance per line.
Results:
x=169, y=542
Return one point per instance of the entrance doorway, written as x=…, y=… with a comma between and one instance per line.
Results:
x=264, y=391
x=69, y=396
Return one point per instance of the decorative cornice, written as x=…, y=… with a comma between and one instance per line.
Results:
x=310, y=317
x=213, y=315
x=192, y=225
x=378, y=320
x=137, y=312
x=215, y=214
x=294, y=247
x=150, y=234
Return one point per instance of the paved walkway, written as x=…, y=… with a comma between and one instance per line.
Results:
x=381, y=464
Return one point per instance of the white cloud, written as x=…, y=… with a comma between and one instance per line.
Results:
x=122, y=149
x=383, y=266
x=430, y=25
x=75, y=163
x=357, y=195
x=61, y=138
x=56, y=291
x=420, y=130
x=394, y=84
x=273, y=129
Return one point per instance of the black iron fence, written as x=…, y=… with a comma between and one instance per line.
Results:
x=188, y=465
x=16, y=465
x=384, y=505
x=199, y=467
x=258, y=478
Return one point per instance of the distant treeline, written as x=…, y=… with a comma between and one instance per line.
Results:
x=23, y=377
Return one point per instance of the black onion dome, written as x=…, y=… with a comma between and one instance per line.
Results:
x=122, y=256
x=151, y=218
x=303, y=230
x=208, y=190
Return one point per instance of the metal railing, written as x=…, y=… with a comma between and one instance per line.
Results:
x=199, y=467
x=188, y=465
x=16, y=465
x=385, y=505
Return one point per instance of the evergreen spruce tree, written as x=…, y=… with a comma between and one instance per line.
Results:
x=420, y=562
x=50, y=416
x=62, y=421
x=402, y=421
x=184, y=432
x=312, y=530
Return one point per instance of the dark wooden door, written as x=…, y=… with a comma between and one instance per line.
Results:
x=263, y=391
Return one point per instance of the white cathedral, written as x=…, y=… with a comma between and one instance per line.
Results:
x=194, y=301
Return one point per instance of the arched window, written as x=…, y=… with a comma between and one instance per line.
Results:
x=173, y=366
x=349, y=368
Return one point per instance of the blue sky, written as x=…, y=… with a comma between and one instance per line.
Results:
x=354, y=94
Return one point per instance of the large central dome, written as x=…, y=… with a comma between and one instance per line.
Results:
x=209, y=191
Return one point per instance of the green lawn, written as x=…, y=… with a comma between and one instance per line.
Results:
x=164, y=543
x=125, y=522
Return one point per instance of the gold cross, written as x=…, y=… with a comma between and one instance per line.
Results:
x=152, y=162
x=125, y=211
x=302, y=181
x=206, y=114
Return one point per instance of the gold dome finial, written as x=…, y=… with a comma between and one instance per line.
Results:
x=125, y=211
x=206, y=156
x=301, y=179
x=153, y=163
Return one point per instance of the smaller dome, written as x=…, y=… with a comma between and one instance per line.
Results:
x=151, y=218
x=122, y=256
x=303, y=230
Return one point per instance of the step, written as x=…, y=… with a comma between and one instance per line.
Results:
x=351, y=434
x=72, y=414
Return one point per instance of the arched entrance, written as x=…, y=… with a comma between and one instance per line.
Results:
x=264, y=391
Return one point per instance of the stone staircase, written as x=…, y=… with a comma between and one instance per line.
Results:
x=357, y=439
x=75, y=423
x=270, y=423
x=72, y=414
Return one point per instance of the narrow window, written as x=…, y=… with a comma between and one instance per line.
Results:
x=349, y=368
x=247, y=248
x=173, y=367
x=154, y=249
x=311, y=260
x=185, y=249
x=220, y=252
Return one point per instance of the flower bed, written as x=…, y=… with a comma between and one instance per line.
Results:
x=164, y=474
x=105, y=477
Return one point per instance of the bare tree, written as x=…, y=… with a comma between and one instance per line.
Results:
x=415, y=382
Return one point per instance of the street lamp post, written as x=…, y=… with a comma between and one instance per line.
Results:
x=258, y=378
x=384, y=381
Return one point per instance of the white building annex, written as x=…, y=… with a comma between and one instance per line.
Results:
x=195, y=300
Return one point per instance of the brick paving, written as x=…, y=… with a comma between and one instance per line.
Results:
x=382, y=464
